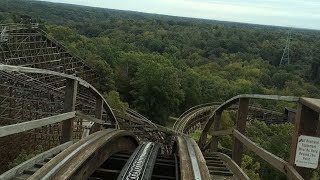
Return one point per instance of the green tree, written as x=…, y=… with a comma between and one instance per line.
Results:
x=275, y=138
x=250, y=167
x=157, y=90
x=191, y=85
x=113, y=99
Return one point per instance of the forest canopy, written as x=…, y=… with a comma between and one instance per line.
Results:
x=162, y=65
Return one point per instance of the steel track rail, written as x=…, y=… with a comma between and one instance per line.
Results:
x=141, y=163
x=192, y=163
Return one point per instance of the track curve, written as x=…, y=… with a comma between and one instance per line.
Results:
x=81, y=159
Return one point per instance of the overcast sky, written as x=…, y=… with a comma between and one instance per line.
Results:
x=294, y=13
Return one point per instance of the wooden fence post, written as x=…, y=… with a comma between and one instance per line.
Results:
x=216, y=127
x=98, y=114
x=69, y=106
x=237, y=149
x=99, y=108
x=306, y=123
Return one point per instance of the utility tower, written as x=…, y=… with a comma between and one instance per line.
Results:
x=285, y=59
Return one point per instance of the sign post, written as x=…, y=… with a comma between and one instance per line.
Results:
x=307, y=153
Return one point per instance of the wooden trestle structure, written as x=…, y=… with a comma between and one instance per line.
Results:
x=49, y=104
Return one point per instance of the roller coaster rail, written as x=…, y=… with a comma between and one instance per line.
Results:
x=278, y=163
x=48, y=98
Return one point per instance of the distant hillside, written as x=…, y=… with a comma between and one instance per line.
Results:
x=180, y=61
x=54, y=12
x=264, y=41
x=73, y=14
x=163, y=65
x=92, y=22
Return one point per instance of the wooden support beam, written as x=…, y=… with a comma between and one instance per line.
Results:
x=270, y=158
x=243, y=110
x=18, y=170
x=216, y=127
x=292, y=173
x=99, y=108
x=69, y=105
x=228, y=103
x=233, y=167
x=89, y=118
x=311, y=103
x=9, y=68
x=98, y=114
x=25, y=126
x=273, y=160
x=222, y=132
x=306, y=123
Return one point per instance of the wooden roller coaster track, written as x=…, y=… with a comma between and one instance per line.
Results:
x=48, y=99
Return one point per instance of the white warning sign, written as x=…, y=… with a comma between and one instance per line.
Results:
x=307, y=154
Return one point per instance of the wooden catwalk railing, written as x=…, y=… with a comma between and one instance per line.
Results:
x=47, y=99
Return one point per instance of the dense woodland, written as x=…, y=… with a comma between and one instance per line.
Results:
x=163, y=65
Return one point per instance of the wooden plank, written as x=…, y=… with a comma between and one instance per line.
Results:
x=98, y=114
x=89, y=118
x=270, y=97
x=306, y=123
x=233, y=166
x=69, y=105
x=25, y=126
x=292, y=173
x=295, y=135
x=243, y=110
x=31, y=162
x=222, y=132
x=273, y=160
x=184, y=159
x=228, y=103
x=311, y=103
x=9, y=68
x=216, y=126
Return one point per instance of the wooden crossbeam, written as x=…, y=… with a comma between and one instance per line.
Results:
x=272, y=159
x=222, y=132
x=25, y=126
x=89, y=118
